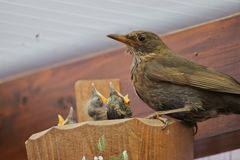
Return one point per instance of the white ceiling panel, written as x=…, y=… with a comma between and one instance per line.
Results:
x=38, y=33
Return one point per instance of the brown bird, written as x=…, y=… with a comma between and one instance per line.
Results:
x=96, y=105
x=118, y=105
x=170, y=83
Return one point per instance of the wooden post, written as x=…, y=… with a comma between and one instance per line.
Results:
x=143, y=139
x=83, y=93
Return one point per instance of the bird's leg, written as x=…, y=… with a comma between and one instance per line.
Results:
x=186, y=108
x=164, y=120
x=157, y=115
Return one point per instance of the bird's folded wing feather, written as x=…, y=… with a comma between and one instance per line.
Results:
x=184, y=74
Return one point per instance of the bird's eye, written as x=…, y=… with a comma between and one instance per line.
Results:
x=141, y=38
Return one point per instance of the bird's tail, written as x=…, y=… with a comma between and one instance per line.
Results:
x=233, y=103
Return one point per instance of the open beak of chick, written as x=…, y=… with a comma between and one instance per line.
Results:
x=60, y=121
x=104, y=99
x=94, y=91
x=125, y=98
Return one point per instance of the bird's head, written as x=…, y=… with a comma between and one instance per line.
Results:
x=117, y=96
x=97, y=98
x=140, y=43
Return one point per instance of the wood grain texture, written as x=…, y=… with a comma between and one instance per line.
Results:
x=141, y=138
x=31, y=103
x=83, y=89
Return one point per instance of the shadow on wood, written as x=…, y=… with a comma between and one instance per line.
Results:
x=143, y=139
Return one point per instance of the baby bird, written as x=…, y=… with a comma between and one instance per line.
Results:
x=68, y=120
x=118, y=105
x=96, y=105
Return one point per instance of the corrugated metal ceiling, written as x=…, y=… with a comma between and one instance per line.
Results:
x=37, y=33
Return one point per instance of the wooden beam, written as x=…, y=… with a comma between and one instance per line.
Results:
x=31, y=103
x=216, y=144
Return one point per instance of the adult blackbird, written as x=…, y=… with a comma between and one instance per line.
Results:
x=170, y=83
x=118, y=105
x=96, y=105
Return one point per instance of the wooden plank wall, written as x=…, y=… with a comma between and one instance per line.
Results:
x=31, y=103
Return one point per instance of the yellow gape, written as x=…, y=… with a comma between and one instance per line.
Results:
x=104, y=100
x=60, y=120
x=126, y=99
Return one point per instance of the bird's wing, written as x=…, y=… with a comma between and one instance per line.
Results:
x=191, y=74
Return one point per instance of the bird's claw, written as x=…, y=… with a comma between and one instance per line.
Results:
x=165, y=121
x=157, y=115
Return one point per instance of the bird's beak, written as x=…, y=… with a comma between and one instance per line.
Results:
x=60, y=121
x=104, y=99
x=126, y=99
x=122, y=38
x=94, y=91
x=112, y=89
